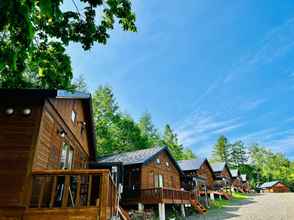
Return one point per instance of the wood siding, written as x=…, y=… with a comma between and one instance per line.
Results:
x=17, y=138
x=57, y=115
x=171, y=176
x=205, y=171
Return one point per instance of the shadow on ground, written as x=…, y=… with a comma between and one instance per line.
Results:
x=227, y=212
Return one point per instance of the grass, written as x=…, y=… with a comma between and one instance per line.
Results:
x=218, y=204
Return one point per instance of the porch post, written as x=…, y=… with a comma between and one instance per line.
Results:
x=161, y=209
x=212, y=196
x=183, y=210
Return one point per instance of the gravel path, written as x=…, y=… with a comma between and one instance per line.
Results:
x=266, y=206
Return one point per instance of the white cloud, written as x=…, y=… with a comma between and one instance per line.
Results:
x=250, y=105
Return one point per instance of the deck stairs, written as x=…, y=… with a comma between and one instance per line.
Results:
x=226, y=196
x=198, y=206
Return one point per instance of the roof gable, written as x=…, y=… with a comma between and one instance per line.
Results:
x=269, y=184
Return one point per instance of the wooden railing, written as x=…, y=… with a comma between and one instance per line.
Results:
x=73, y=189
x=156, y=195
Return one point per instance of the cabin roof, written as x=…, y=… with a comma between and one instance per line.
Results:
x=137, y=157
x=269, y=184
x=59, y=94
x=218, y=167
x=235, y=173
x=195, y=164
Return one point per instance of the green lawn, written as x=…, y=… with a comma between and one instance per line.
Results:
x=217, y=204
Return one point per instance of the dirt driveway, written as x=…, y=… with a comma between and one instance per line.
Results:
x=266, y=206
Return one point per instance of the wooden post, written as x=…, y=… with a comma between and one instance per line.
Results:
x=29, y=192
x=103, y=194
x=53, y=192
x=43, y=183
x=78, y=194
x=65, y=191
x=89, y=191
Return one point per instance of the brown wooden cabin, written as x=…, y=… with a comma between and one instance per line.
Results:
x=245, y=183
x=274, y=186
x=149, y=177
x=236, y=180
x=198, y=172
x=223, y=176
x=46, y=141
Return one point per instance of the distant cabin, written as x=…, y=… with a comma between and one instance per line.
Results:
x=274, y=186
x=198, y=172
x=245, y=183
x=47, y=141
x=149, y=177
x=223, y=176
x=236, y=180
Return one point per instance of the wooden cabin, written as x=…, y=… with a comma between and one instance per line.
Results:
x=223, y=176
x=197, y=169
x=47, y=139
x=149, y=177
x=236, y=180
x=274, y=186
x=245, y=183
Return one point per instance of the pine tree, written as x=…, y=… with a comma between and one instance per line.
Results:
x=221, y=151
x=238, y=154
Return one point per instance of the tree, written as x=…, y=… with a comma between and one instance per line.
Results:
x=34, y=34
x=170, y=140
x=238, y=154
x=115, y=132
x=80, y=84
x=221, y=150
x=149, y=131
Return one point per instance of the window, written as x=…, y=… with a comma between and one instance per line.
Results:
x=66, y=157
x=73, y=116
x=167, y=164
x=158, y=181
x=157, y=161
x=114, y=174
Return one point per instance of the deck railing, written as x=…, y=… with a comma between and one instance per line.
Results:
x=156, y=195
x=81, y=188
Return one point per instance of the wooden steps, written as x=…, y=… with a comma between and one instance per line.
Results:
x=198, y=207
x=123, y=214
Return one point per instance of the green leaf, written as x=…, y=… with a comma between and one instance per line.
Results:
x=46, y=7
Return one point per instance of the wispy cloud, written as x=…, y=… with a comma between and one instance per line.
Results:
x=253, y=104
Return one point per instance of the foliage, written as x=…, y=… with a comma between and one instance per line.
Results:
x=117, y=132
x=170, y=140
x=80, y=84
x=238, y=155
x=149, y=131
x=34, y=34
x=271, y=166
x=221, y=150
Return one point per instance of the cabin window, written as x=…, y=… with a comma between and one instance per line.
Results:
x=157, y=161
x=66, y=157
x=73, y=116
x=158, y=181
x=167, y=164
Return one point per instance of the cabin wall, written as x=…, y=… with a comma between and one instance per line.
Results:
x=171, y=176
x=56, y=116
x=226, y=173
x=17, y=138
x=205, y=171
x=64, y=107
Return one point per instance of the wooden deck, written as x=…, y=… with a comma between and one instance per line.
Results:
x=67, y=194
x=156, y=195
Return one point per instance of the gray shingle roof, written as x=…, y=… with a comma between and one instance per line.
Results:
x=195, y=164
x=234, y=173
x=134, y=157
x=218, y=167
x=269, y=184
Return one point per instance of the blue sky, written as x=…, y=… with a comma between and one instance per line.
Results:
x=205, y=67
